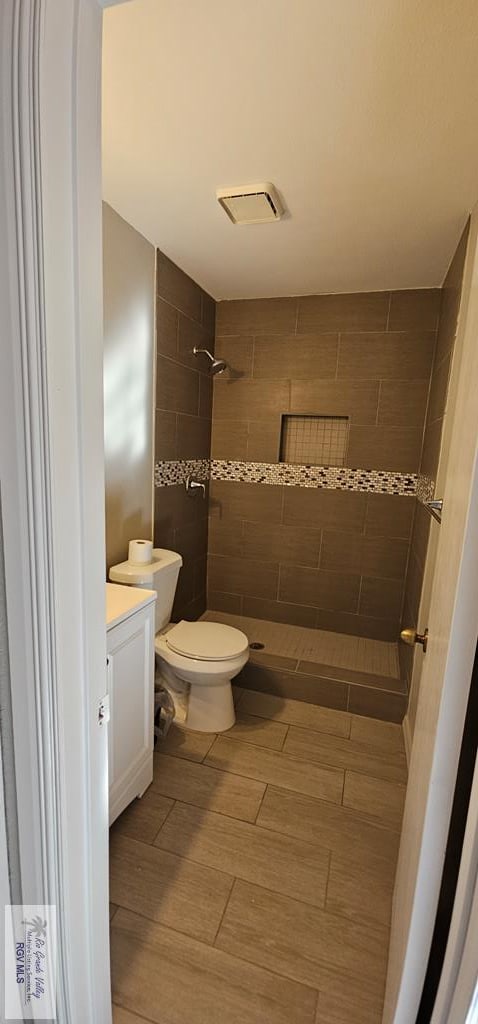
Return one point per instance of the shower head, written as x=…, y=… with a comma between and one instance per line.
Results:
x=217, y=365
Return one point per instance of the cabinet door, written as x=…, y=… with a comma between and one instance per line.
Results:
x=131, y=695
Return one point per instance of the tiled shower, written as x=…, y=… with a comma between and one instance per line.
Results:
x=336, y=548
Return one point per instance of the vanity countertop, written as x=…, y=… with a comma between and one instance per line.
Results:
x=121, y=602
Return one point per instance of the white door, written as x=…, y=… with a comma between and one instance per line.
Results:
x=451, y=602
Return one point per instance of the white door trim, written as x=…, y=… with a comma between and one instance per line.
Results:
x=51, y=476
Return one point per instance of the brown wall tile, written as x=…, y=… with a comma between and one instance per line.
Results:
x=413, y=592
x=294, y=686
x=229, y=439
x=387, y=448
x=177, y=288
x=242, y=576
x=389, y=515
x=336, y=591
x=385, y=357
x=231, y=603
x=381, y=598
x=358, y=625
x=263, y=443
x=405, y=355
x=384, y=557
x=236, y=500
x=208, y=313
x=250, y=400
x=166, y=328
x=414, y=310
x=178, y=527
x=184, y=591
x=190, y=539
x=321, y=508
x=421, y=533
x=450, y=299
x=255, y=441
x=185, y=317
x=256, y=316
x=365, y=311
x=177, y=389
x=195, y=608
x=357, y=400
x=191, y=335
x=279, y=611
x=205, y=395
x=285, y=356
x=226, y=536
x=285, y=544
x=431, y=449
x=172, y=508
x=238, y=353
x=164, y=435
x=369, y=556
x=403, y=403
x=377, y=682
x=438, y=390
x=193, y=437
x=390, y=707
x=341, y=552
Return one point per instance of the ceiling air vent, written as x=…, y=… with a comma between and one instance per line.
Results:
x=251, y=204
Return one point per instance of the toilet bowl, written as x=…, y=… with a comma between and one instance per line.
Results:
x=206, y=656
x=202, y=656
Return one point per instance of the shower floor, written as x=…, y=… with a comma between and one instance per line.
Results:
x=317, y=645
x=348, y=673
x=253, y=881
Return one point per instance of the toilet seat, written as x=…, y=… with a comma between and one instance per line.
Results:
x=206, y=641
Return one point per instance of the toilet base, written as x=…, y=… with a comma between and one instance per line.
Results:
x=210, y=708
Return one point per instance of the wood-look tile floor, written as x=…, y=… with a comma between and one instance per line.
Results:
x=252, y=884
x=360, y=654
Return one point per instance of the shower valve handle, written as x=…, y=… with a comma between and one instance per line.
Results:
x=193, y=486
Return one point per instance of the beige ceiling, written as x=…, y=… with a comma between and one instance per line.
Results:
x=363, y=113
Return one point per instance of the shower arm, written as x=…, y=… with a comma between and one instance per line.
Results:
x=202, y=352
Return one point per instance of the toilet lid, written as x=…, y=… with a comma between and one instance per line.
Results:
x=206, y=641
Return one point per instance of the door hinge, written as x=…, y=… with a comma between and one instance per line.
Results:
x=104, y=710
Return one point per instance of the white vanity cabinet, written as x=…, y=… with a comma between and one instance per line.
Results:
x=130, y=692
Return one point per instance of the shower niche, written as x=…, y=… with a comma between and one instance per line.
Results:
x=314, y=440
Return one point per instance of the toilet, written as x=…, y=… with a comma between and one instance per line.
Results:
x=198, y=657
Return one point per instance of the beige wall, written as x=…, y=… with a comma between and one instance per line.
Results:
x=128, y=276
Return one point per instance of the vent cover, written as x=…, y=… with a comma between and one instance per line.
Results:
x=251, y=204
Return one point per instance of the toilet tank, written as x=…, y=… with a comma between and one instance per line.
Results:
x=160, y=575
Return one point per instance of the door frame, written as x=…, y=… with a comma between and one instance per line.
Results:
x=53, y=507
x=54, y=772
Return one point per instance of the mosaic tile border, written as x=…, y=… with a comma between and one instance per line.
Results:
x=326, y=477
x=167, y=474
x=425, y=489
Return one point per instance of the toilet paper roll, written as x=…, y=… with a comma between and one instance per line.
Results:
x=140, y=552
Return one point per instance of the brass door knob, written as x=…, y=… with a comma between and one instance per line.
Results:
x=411, y=637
